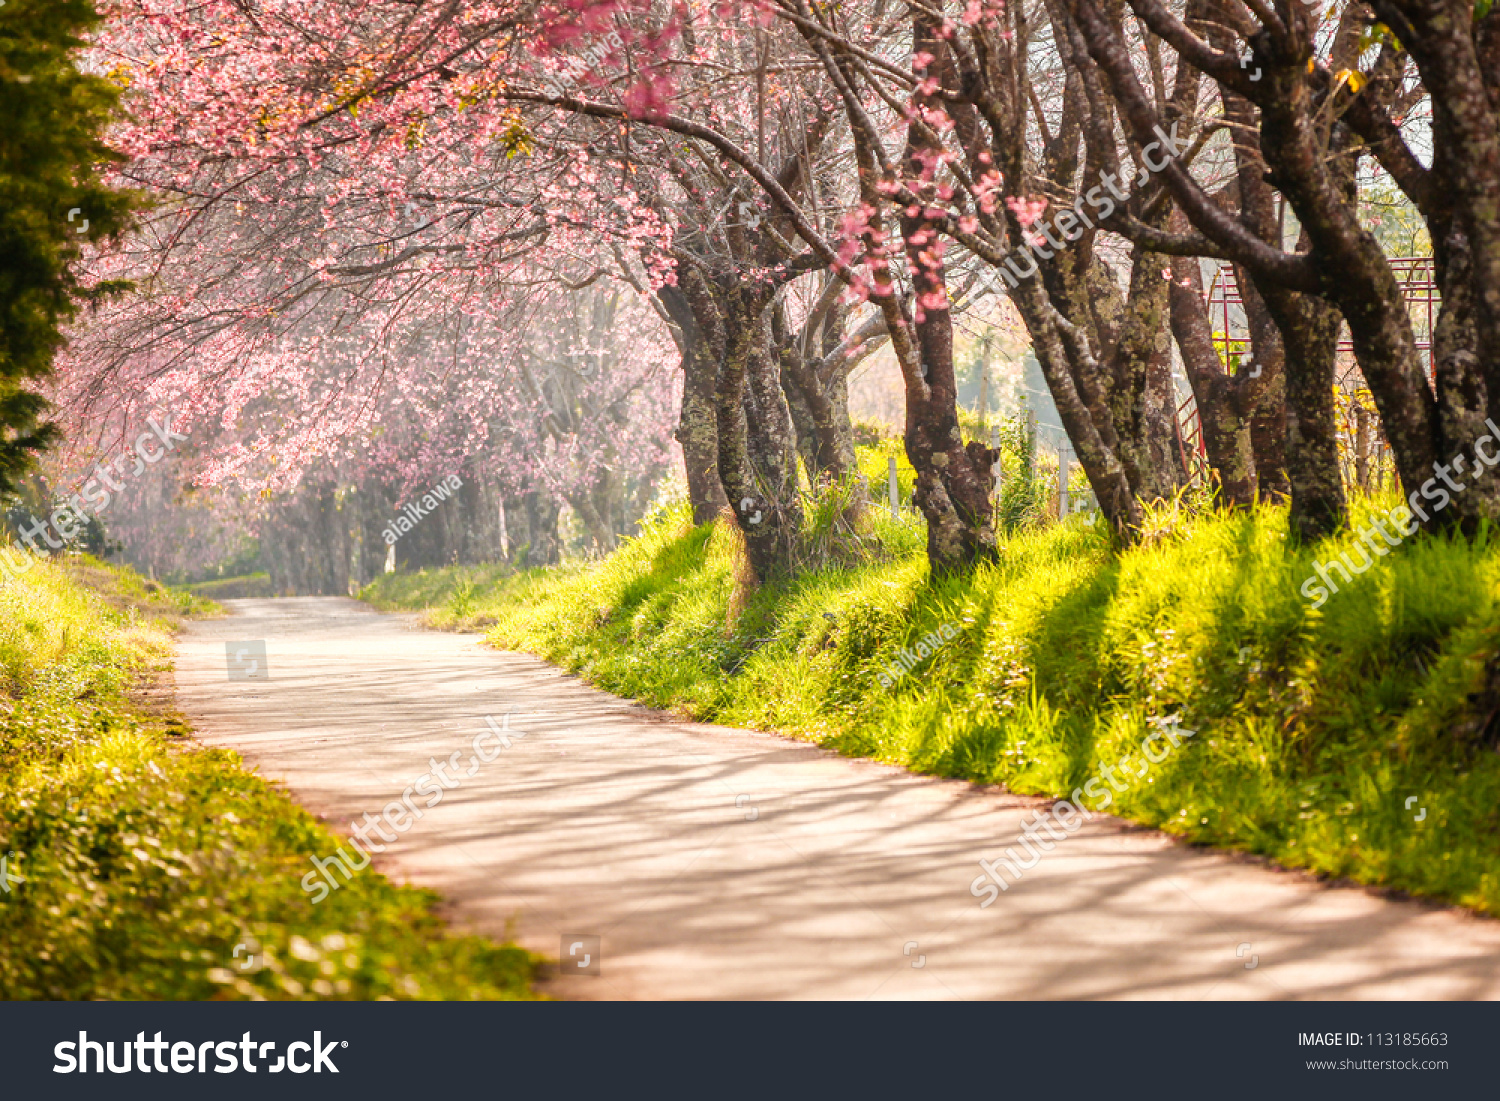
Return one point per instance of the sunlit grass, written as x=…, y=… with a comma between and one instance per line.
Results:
x=1313, y=726
x=145, y=860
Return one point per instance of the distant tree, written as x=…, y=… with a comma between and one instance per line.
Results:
x=51, y=201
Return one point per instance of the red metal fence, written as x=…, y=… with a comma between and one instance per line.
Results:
x=1226, y=313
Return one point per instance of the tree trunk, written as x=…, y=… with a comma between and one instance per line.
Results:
x=1268, y=419
x=1309, y=333
x=1357, y=277
x=757, y=456
x=1090, y=432
x=953, y=481
x=802, y=420
x=1141, y=397
x=545, y=547
x=1226, y=431
x=600, y=536
x=1455, y=47
x=1361, y=447
x=701, y=343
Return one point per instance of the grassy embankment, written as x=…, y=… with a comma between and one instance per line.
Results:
x=146, y=859
x=1313, y=727
x=247, y=586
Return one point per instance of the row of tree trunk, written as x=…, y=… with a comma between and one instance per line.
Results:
x=327, y=539
x=1113, y=151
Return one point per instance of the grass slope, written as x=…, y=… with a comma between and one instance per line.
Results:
x=1313, y=727
x=145, y=860
x=246, y=587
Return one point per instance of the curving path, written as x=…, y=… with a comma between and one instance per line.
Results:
x=718, y=863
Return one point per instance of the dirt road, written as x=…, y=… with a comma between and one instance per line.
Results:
x=717, y=863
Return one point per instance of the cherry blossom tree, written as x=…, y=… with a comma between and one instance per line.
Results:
x=350, y=195
x=341, y=203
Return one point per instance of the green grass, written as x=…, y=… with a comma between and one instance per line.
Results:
x=454, y=587
x=246, y=586
x=1313, y=727
x=146, y=859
